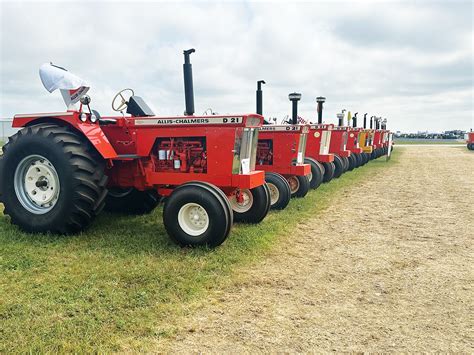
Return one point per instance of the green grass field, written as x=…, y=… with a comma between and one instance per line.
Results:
x=122, y=285
x=402, y=141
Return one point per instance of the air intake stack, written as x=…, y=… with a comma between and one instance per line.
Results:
x=354, y=120
x=188, y=83
x=320, y=100
x=365, y=120
x=294, y=98
x=260, y=97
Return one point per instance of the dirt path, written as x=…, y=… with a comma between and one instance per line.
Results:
x=396, y=274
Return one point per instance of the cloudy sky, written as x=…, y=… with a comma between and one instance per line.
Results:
x=409, y=61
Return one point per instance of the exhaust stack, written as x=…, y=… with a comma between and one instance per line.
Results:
x=340, y=117
x=320, y=100
x=365, y=120
x=260, y=97
x=354, y=120
x=294, y=98
x=188, y=83
x=371, y=121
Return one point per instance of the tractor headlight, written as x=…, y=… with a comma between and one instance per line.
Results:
x=93, y=118
x=252, y=122
x=83, y=117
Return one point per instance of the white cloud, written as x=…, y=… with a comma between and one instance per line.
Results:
x=409, y=61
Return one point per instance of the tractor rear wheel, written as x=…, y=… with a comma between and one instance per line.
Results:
x=52, y=180
x=197, y=214
x=131, y=201
x=250, y=206
x=299, y=185
x=339, y=166
x=279, y=188
x=329, y=170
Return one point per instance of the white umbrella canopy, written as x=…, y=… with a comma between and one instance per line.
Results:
x=71, y=86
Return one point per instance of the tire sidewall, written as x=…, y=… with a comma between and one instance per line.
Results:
x=38, y=145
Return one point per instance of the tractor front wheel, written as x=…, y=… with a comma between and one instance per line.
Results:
x=299, y=185
x=250, y=206
x=279, y=188
x=131, y=201
x=196, y=214
x=317, y=173
x=339, y=166
x=52, y=180
x=352, y=162
x=329, y=170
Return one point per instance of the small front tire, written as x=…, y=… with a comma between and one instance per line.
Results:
x=279, y=188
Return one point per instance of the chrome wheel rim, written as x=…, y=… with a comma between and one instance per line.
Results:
x=193, y=219
x=36, y=184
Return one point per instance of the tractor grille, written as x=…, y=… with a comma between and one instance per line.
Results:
x=245, y=150
x=325, y=142
x=301, y=148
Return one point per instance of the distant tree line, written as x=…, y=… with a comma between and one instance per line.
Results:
x=455, y=134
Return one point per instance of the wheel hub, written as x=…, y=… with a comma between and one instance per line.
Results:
x=274, y=193
x=294, y=184
x=193, y=219
x=37, y=184
x=241, y=201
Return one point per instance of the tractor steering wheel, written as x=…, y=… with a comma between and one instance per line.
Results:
x=119, y=102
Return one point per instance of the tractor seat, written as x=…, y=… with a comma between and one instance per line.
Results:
x=138, y=108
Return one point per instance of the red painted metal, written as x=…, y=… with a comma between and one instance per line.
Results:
x=353, y=140
x=278, y=146
x=339, y=137
x=196, y=148
x=315, y=147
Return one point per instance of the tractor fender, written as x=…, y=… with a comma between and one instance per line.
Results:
x=92, y=131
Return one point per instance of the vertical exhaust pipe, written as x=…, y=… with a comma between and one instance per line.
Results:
x=354, y=120
x=365, y=120
x=188, y=83
x=260, y=97
x=340, y=117
x=320, y=100
x=371, y=121
x=294, y=98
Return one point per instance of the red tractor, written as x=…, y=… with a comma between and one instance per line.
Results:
x=281, y=153
x=286, y=177
x=338, y=147
x=355, y=159
x=60, y=170
x=470, y=140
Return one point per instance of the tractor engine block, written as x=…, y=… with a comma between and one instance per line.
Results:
x=181, y=154
x=265, y=152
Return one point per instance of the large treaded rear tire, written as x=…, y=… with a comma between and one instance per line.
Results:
x=80, y=172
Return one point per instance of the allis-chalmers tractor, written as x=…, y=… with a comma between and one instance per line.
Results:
x=365, y=140
x=470, y=140
x=61, y=168
x=338, y=147
x=355, y=159
x=277, y=145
